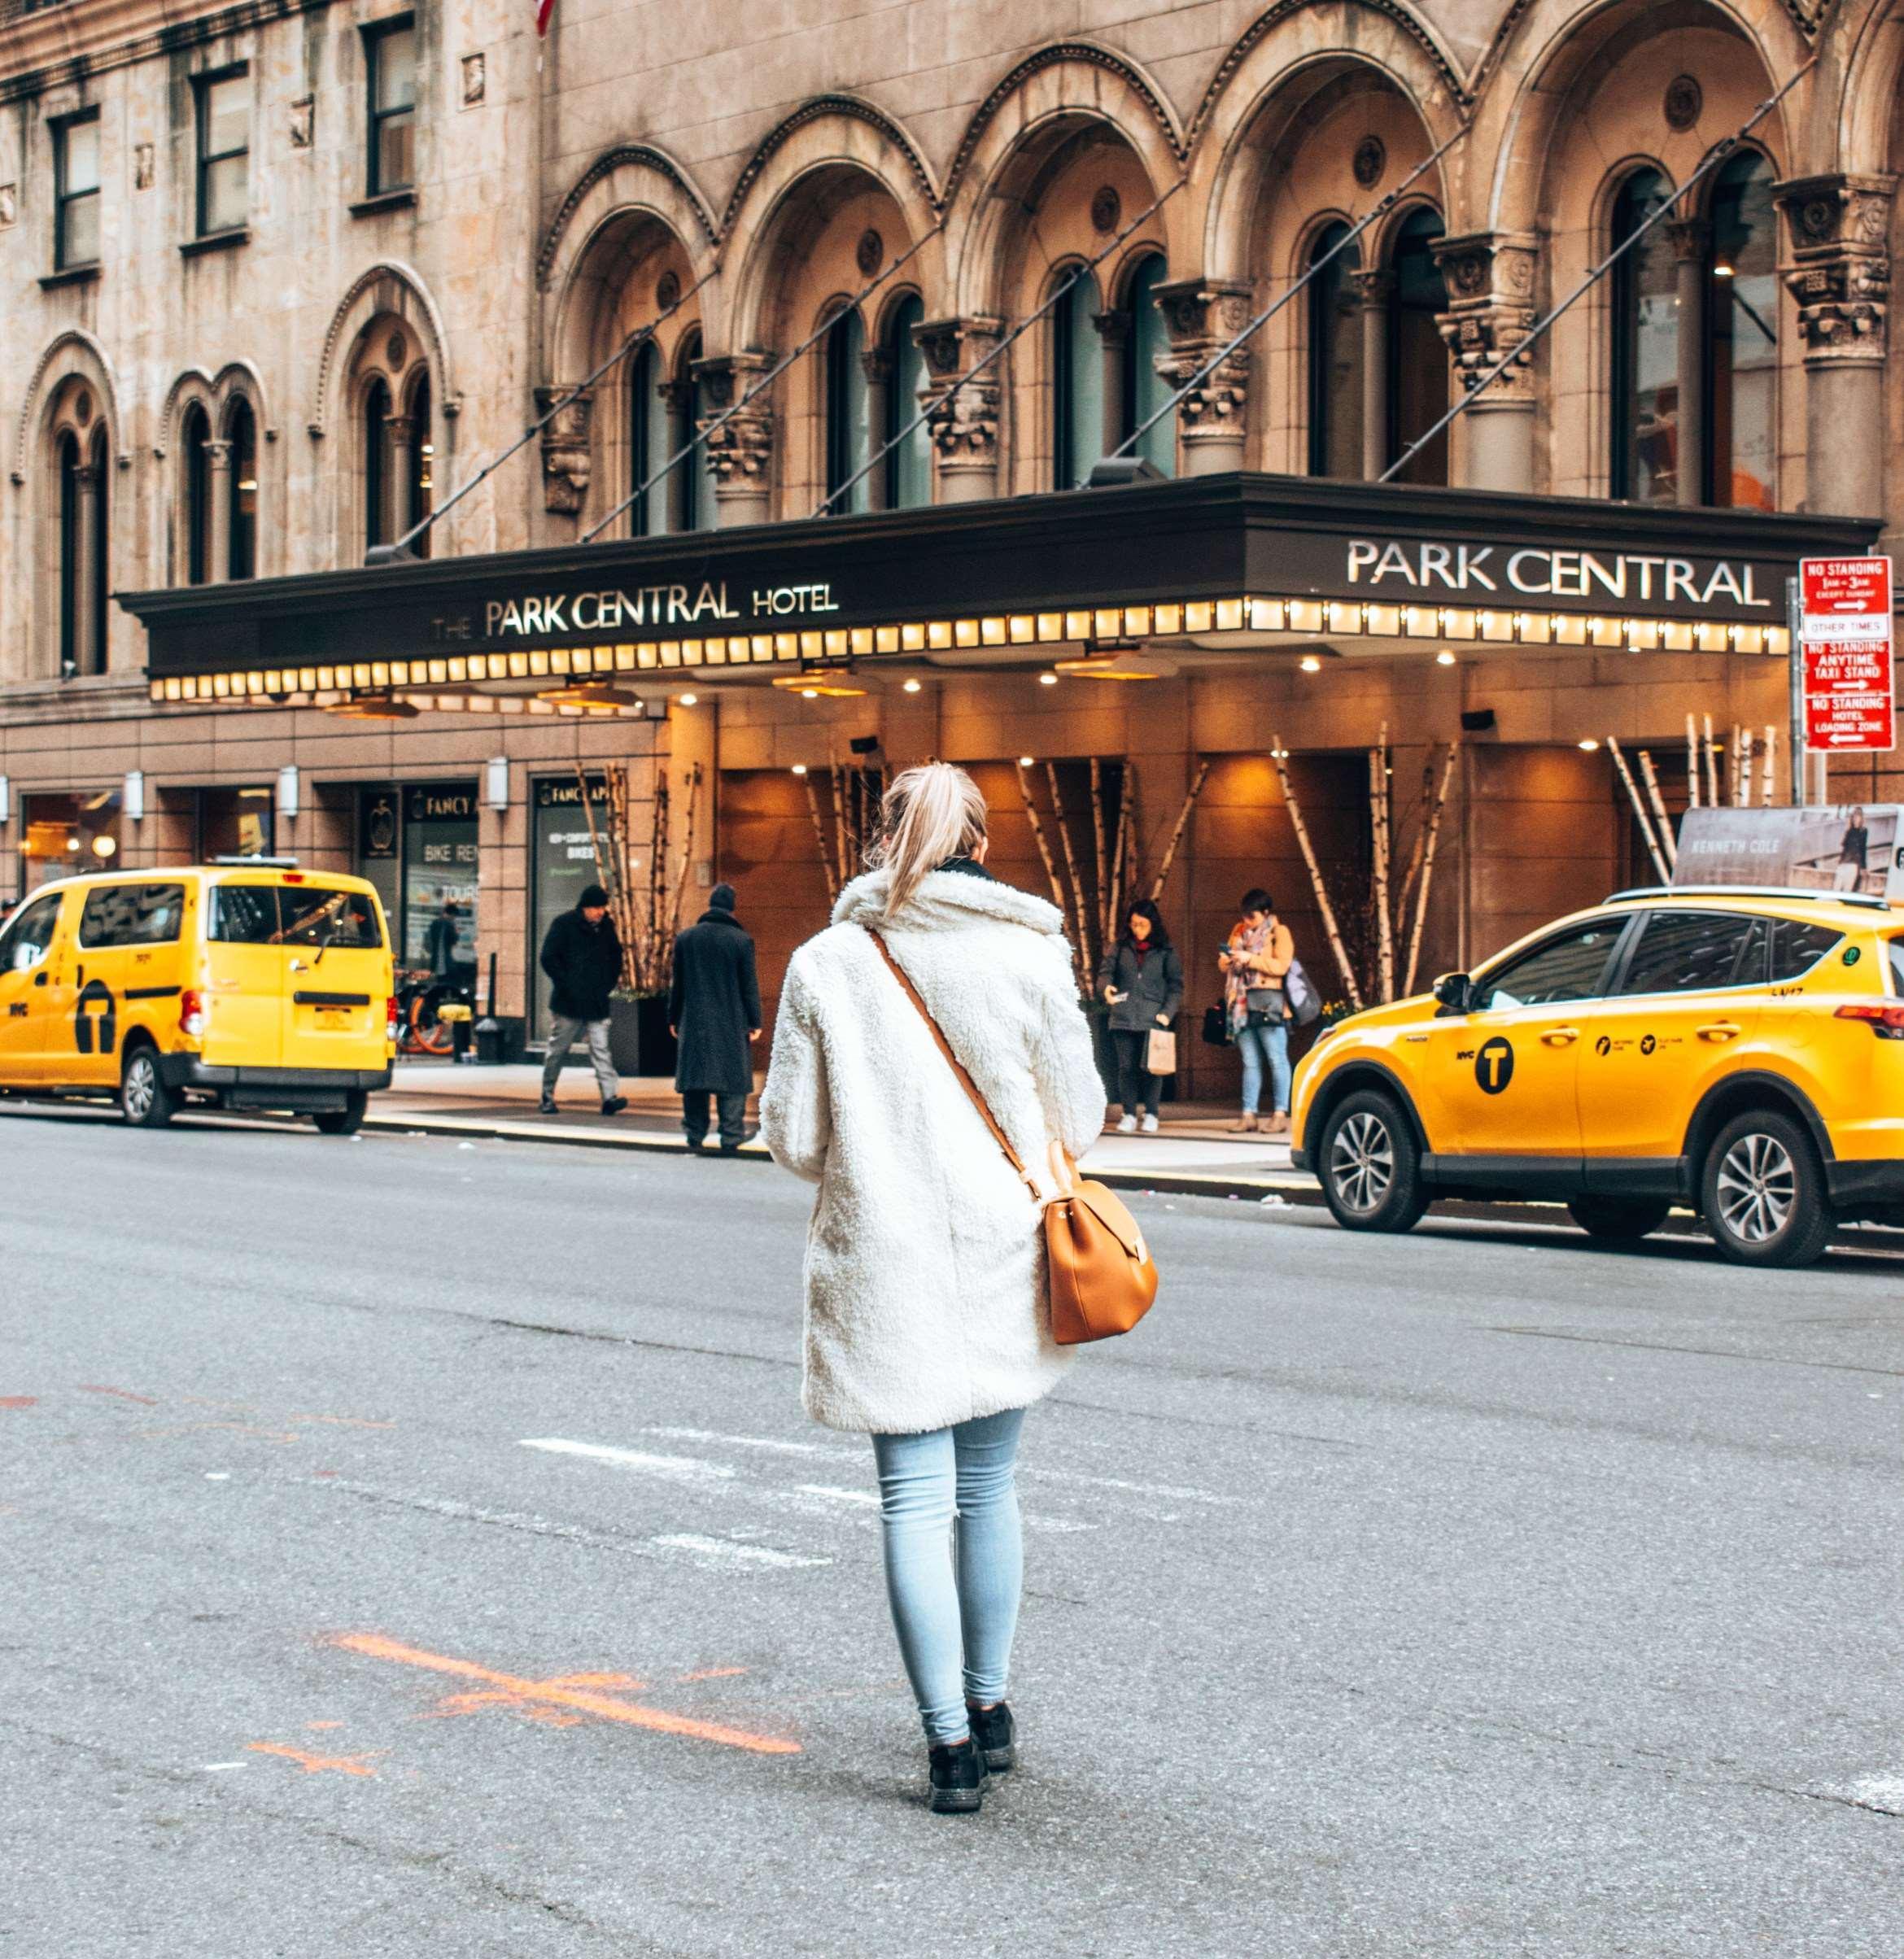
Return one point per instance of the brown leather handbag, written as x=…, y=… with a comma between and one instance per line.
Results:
x=1102, y=1276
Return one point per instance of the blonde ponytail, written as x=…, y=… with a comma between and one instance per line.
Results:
x=930, y=813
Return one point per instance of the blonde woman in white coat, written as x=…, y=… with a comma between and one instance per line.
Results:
x=927, y=1326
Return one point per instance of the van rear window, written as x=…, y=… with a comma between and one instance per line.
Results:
x=295, y=915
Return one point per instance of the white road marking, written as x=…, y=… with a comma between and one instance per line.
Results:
x=751, y=1442
x=1885, y=1792
x=216, y=1768
x=679, y=1468
x=1180, y=1491
x=868, y=1497
x=724, y=1551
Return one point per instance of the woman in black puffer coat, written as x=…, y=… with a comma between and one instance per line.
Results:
x=1141, y=981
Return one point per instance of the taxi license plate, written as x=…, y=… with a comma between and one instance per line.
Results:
x=334, y=1016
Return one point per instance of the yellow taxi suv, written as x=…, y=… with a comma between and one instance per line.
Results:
x=246, y=985
x=1740, y=1051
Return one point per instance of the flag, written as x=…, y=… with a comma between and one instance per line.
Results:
x=543, y=9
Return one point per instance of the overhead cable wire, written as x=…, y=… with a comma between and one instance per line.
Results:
x=761, y=387
x=938, y=401
x=1524, y=346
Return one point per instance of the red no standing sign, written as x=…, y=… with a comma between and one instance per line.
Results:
x=1844, y=634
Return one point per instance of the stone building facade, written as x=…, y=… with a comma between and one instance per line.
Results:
x=280, y=277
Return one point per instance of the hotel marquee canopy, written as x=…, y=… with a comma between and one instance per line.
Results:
x=1243, y=561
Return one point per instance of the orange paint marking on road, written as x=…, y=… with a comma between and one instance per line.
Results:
x=713, y=1673
x=316, y=1764
x=19, y=1401
x=477, y=1702
x=88, y=1387
x=312, y=1727
x=581, y=1700
x=343, y=1421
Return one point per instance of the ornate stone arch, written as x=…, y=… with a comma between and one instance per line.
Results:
x=1864, y=139
x=75, y=352
x=390, y=288
x=823, y=109
x=193, y=386
x=631, y=177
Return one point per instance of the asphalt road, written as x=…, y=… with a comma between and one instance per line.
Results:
x=418, y=1548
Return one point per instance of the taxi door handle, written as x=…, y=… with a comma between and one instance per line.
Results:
x=1720, y=1030
x=1560, y=1037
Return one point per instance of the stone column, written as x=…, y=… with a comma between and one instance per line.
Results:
x=875, y=363
x=400, y=434
x=740, y=451
x=1114, y=336
x=218, y=478
x=961, y=415
x=1213, y=421
x=1840, y=276
x=567, y=458
x=85, y=620
x=1490, y=278
x=1691, y=242
x=1374, y=290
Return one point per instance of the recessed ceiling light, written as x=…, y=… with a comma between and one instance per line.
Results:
x=1310, y=664
x=687, y=701
x=911, y=686
x=1589, y=746
x=1025, y=761
x=1445, y=658
x=800, y=768
x=1047, y=680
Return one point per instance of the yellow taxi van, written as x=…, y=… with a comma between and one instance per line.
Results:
x=1738, y=1050
x=246, y=985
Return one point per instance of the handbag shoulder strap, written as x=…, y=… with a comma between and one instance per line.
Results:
x=957, y=1067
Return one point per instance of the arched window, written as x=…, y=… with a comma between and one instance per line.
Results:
x=1144, y=391
x=648, y=445
x=693, y=483
x=68, y=461
x=1077, y=382
x=421, y=491
x=1742, y=338
x=241, y=432
x=376, y=463
x=1645, y=383
x=1418, y=359
x=1337, y=395
x=847, y=425
x=909, y=464
x=195, y=442
x=83, y=530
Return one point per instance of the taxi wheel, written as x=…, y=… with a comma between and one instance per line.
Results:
x=144, y=1100
x=1618, y=1220
x=346, y=1121
x=1370, y=1166
x=1763, y=1192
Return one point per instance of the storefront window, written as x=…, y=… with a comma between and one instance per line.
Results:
x=1077, y=383
x=846, y=416
x=1645, y=387
x=563, y=863
x=60, y=834
x=1336, y=391
x=418, y=847
x=1145, y=390
x=235, y=822
x=1742, y=313
x=1418, y=359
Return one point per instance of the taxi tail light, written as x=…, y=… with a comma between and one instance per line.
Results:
x=1884, y=1020
x=390, y=1018
x=191, y=1014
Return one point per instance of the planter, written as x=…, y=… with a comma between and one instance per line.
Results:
x=639, y=1039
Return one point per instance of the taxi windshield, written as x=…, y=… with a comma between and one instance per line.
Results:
x=300, y=914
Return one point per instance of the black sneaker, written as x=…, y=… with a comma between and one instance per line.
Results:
x=732, y=1147
x=614, y=1105
x=992, y=1733
x=546, y=1106
x=958, y=1778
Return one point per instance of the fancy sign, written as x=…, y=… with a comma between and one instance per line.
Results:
x=1849, y=670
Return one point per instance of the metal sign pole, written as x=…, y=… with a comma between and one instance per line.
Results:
x=1800, y=759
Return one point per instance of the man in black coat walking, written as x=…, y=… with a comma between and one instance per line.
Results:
x=581, y=955
x=714, y=1012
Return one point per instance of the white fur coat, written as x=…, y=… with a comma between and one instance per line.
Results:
x=925, y=1282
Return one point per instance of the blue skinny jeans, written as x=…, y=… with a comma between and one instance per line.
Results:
x=954, y=1586
x=1264, y=1048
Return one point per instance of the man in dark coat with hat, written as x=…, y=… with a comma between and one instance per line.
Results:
x=714, y=1012
x=582, y=955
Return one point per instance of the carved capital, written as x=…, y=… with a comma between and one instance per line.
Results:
x=1201, y=315
x=1838, y=229
x=877, y=364
x=1689, y=238
x=1113, y=327
x=1491, y=277
x=953, y=347
x=740, y=451
x=566, y=457
x=961, y=415
x=1203, y=312
x=1374, y=288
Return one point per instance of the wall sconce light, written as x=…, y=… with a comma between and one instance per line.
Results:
x=495, y=781
x=6, y=801
x=287, y=791
x=134, y=801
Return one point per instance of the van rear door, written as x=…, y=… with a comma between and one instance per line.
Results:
x=247, y=968
x=339, y=975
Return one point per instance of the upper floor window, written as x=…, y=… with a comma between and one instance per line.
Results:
x=420, y=464
x=648, y=444
x=196, y=445
x=241, y=436
x=848, y=426
x=693, y=475
x=76, y=192
x=1742, y=338
x=1077, y=382
x=224, y=152
x=1417, y=358
x=1645, y=349
x=83, y=534
x=376, y=463
x=1143, y=390
x=1338, y=386
x=390, y=53
x=909, y=462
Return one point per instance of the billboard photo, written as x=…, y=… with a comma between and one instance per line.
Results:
x=1855, y=848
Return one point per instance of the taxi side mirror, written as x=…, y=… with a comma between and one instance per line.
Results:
x=1455, y=990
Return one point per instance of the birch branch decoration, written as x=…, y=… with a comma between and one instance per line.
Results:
x=1280, y=755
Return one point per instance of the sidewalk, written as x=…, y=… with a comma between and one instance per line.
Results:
x=1192, y=1153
